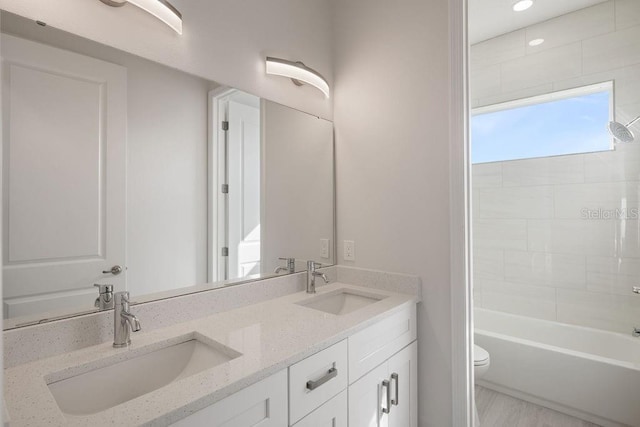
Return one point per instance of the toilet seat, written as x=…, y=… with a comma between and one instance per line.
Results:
x=480, y=356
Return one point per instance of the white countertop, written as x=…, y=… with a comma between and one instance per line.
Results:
x=271, y=336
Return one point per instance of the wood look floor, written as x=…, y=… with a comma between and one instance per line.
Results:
x=499, y=410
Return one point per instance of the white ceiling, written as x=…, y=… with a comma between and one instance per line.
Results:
x=491, y=18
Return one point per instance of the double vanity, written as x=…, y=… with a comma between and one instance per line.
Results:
x=345, y=355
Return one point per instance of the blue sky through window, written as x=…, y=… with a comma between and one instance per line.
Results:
x=565, y=126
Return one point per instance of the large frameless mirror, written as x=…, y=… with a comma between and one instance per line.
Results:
x=123, y=174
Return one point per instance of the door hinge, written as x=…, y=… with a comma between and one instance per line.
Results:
x=225, y=188
x=225, y=251
x=225, y=125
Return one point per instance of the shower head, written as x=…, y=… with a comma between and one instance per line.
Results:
x=621, y=132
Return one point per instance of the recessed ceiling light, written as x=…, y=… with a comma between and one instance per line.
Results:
x=522, y=5
x=536, y=42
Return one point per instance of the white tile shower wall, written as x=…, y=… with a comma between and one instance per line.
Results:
x=588, y=46
x=535, y=253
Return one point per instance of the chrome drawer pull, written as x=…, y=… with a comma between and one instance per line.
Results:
x=395, y=377
x=385, y=384
x=331, y=373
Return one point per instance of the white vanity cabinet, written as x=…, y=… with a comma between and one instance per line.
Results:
x=383, y=373
x=262, y=404
x=366, y=380
x=387, y=396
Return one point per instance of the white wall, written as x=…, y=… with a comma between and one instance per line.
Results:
x=298, y=186
x=166, y=164
x=391, y=121
x=224, y=40
x=535, y=253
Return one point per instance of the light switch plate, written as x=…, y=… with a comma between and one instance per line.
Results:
x=324, y=248
x=349, y=250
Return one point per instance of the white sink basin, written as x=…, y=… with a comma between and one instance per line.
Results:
x=341, y=301
x=106, y=387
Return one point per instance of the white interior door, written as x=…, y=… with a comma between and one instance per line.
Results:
x=64, y=177
x=244, y=189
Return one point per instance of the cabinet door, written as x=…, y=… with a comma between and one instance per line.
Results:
x=403, y=377
x=263, y=404
x=331, y=414
x=367, y=397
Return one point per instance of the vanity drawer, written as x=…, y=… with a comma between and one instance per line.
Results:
x=262, y=404
x=316, y=379
x=333, y=413
x=372, y=346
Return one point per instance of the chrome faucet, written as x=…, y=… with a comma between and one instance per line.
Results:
x=312, y=274
x=105, y=297
x=290, y=268
x=123, y=321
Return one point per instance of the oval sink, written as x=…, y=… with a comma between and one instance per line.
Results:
x=341, y=301
x=106, y=387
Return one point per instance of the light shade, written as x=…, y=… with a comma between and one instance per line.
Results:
x=162, y=10
x=297, y=71
x=522, y=5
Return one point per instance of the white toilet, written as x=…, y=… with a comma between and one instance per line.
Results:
x=481, y=362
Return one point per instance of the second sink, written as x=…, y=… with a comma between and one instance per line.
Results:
x=103, y=388
x=341, y=301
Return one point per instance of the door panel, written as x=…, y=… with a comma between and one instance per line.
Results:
x=244, y=190
x=366, y=397
x=64, y=176
x=404, y=412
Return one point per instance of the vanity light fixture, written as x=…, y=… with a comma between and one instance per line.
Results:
x=536, y=42
x=522, y=5
x=161, y=9
x=298, y=73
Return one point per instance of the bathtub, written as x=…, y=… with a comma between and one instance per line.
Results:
x=588, y=373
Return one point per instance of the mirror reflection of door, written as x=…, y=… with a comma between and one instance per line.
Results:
x=241, y=196
x=112, y=159
x=64, y=177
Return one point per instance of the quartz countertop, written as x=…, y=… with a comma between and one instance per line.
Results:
x=270, y=335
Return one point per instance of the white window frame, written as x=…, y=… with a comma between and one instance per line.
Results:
x=607, y=86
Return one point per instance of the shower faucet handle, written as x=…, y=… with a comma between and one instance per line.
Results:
x=636, y=289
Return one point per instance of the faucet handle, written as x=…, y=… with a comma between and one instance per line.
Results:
x=290, y=267
x=636, y=289
x=314, y=264
x=122, y=298
x=104, y=288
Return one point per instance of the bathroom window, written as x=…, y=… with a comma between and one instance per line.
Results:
x=566, y=122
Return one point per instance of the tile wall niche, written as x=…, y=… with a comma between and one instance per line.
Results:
x=535, y=254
